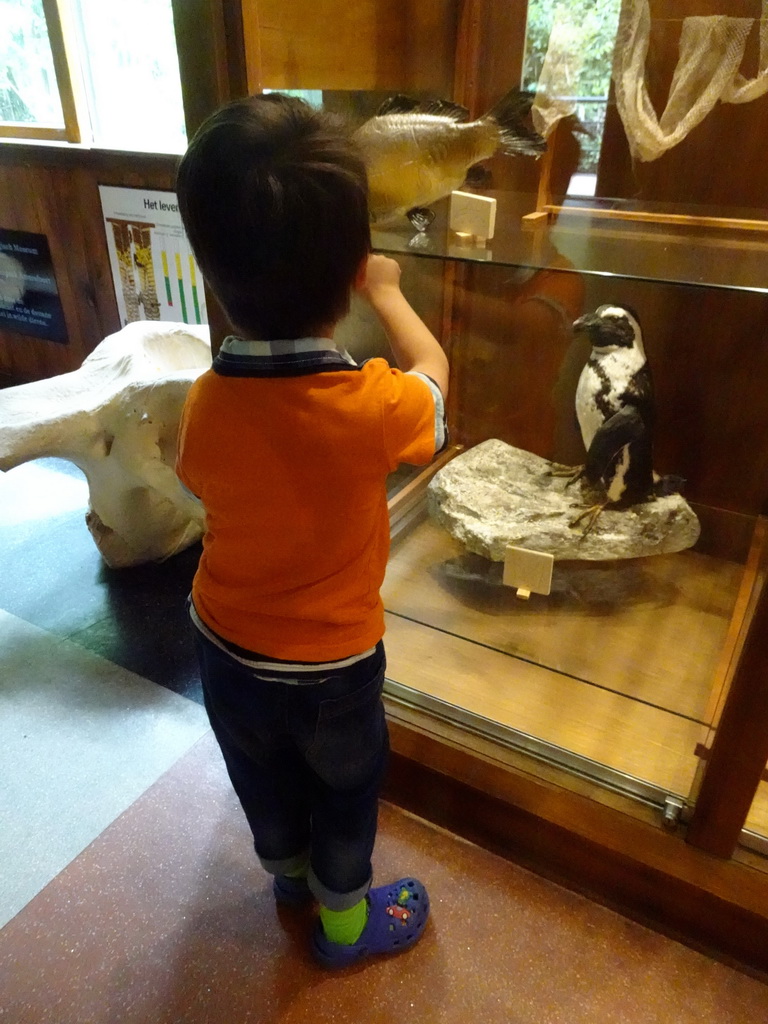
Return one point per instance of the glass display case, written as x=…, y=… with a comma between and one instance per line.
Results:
x=756, y=827
x=620, y=672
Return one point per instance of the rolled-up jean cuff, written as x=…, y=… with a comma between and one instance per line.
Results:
x=336, y=900
x=287, y=866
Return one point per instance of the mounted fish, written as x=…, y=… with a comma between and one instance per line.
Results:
x=418, y=152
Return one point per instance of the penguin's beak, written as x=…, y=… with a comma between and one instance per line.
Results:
x=587, y=323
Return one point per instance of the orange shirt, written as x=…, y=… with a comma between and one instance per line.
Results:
x=292, y=473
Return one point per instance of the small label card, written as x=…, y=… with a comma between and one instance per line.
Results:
x=528, y=571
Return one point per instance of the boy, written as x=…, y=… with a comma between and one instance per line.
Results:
x=288, y=444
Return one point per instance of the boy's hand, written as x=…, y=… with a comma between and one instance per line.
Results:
x=413, y=344
x=380, y=275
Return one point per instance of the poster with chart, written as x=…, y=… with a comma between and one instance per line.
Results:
x=155, y=274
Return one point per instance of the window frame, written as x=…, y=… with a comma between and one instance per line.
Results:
x=58, y=24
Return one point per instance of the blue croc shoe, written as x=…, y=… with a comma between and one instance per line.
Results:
x=397, y=914
x=291, y=892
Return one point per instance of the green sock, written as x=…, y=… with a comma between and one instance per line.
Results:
x=344, y=926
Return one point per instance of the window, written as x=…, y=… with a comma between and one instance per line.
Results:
x=34, y=84
x=104, y=73
x=132, y=74
x=578, y=37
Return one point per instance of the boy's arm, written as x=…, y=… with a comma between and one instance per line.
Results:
x=413, y=344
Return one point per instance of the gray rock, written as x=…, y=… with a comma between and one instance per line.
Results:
x=494, y=495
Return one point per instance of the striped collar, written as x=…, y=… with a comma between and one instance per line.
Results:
x=285, y=358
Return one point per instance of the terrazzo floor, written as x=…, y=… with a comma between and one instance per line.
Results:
x=128, y=887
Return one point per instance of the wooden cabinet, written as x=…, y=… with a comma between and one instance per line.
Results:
x=652, y=669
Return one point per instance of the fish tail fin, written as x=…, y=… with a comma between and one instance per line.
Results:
x=510, y=114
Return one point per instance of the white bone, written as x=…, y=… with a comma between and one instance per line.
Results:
x=117, y=419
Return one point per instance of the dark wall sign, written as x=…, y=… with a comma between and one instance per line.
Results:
x=29, y=298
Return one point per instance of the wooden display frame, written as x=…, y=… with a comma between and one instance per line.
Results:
x=551, y=211
x=615, y=858
x=666, y=879
x=547, y=211
x=417, y=602
x=60, y=37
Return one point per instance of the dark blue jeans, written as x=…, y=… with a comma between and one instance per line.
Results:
x=306, y=760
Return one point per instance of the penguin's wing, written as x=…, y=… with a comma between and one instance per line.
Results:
x=639, y=393
x=623, y=428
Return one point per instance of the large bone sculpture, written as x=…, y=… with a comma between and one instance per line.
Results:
x=117, y=418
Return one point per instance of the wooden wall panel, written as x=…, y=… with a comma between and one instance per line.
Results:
x=211, y=48
x=507, y=356
x=515, y=366
x=514, y=369
x=53, y=190
x=508, y=328
x=721, y=163
x=707, y=352
x=498, y=68
x=23, y=208
x=369, y=44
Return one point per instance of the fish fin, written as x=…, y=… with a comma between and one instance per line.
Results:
x=516, y=136
x=444, y=108
x=420, y=217
x=479, y=176
x=401, y=104
x=517, y=101
x=398, y=104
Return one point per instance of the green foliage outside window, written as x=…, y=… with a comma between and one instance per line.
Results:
x=594, y=25
x=595, y=22
x=28, y=92
x=121, y=54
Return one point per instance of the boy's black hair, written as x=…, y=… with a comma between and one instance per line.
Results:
x=274, y=200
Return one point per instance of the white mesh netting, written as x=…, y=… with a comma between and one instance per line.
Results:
x=710, y=53
x=559, y=77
